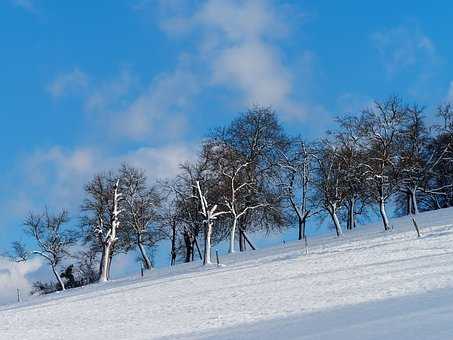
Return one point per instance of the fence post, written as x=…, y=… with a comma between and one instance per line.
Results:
x=18, y=295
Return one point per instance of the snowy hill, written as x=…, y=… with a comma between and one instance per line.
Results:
x=369, y=284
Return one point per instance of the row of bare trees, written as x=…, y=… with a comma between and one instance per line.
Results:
x=250, y=176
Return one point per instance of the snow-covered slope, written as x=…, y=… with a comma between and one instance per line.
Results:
x=367, y=285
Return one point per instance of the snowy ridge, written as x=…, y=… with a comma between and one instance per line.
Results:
x=366, y=285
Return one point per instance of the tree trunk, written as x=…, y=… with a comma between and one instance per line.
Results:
x=408, y=203
x=112, y=250
x=173, y=245
x=146, y=261
x=385, y=220
x=413, y=201
x=301, y=228
x=207, y=243
x=302, y=219
x=193, y=252
x=351, y=213
x=104, y=265
x=336, y=222
x=417, y=229
x=195, y=242
x=232, y=235
x=58, y=277
x=188, y=242
x=241, y=242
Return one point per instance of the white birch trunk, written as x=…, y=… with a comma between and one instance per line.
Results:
x=385, y=219
x=145, y=257
x=207, y=244
x=60, y=281
x=336, y=221
x=210, y=216
x=232, y=235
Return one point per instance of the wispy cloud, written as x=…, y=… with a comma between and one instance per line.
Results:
x=156, y=110
x=110, y=94
x=27, y=5
x=403, y=47
x=160, y=108
x=69, y=82
x=236, y=46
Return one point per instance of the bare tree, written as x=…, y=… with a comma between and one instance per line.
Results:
x=329, y=181
x=52, y=240
x=238, y=190
x=169, y=222
x=352, y=159
x=381, y=131
x=418, y=163
x=254, y=140
x=140, y=214
x=197, y=185
x=295, y=177
x=187, y=208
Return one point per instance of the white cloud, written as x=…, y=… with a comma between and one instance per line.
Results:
x=239, y=45
x=242, y=21
x=14, y=276
x=160, y=162
x=69, y=82
x=244, y=52
x=256, y=70
x=403, y=47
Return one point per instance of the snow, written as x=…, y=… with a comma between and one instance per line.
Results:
x=369, y=284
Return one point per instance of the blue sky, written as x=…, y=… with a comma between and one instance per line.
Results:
x=85, y=85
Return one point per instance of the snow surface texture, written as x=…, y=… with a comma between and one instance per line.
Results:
x=369, y=284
